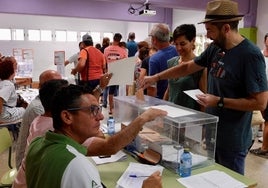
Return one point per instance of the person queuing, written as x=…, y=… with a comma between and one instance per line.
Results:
x=237, y=82
x=74, y=59
x=263, y=150
x=8, y=97
x=184, y=40
x=91, y=64
x=131, y=44
x=112, y=53
x=158, y=61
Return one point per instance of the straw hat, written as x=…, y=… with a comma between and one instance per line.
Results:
x=222, y=11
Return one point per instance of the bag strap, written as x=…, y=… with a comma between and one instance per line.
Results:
x=87, y=63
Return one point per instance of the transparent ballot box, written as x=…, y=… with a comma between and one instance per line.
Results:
x=181, y=128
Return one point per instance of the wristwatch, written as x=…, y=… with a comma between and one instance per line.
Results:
x=98, y=88
x=220, y=103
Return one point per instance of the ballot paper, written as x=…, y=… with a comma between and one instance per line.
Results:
x=109, y=158
x=211, y=179
x=172, y=111
x=123, y=71
x=192, y=93
x=135, y=174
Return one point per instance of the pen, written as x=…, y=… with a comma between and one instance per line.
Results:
x=135, y=176
x=104, y=156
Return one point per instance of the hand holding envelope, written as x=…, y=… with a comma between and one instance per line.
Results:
x=204, y=99
x=192, y=93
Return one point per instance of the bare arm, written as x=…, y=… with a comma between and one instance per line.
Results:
x=256, y=101
x=104, y=66
x=79, y=67
x=113, y=144
x=174, y=72
x=203, y=85
x=66, y=62
x=143, y=73
x=166, y=95
x=203, y=81
x=104, y=81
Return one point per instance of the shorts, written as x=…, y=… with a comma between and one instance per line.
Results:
x=113, y=90
x=90, y=85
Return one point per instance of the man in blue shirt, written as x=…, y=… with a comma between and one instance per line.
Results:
x=160, y=35
x=131, y=45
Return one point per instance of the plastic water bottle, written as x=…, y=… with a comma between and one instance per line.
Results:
x=111, y=125
x=185, y=168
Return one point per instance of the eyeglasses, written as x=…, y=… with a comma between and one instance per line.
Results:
x=94, y=109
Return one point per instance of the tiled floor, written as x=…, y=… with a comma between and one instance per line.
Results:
x=257, y=168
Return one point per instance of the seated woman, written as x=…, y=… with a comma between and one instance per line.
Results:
x=8, y=97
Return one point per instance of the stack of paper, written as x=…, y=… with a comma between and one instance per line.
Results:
x=211, y=179
x=109, y=159
x=172, y=111
x=135, y=174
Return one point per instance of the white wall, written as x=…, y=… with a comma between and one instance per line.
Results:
x=44, y=51
x=192, y=17
x=189, y=17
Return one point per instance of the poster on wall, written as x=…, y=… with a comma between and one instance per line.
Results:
x=27, y=54
x=17, y=54
x=59, y=58
x=24, y=59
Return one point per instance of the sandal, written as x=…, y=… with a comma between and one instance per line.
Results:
x=259, y=152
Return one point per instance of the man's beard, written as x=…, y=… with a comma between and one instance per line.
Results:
x=220, y=42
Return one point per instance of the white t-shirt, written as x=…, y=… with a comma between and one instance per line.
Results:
x=8, y=93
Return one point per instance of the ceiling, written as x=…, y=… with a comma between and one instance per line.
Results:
x=163, y=3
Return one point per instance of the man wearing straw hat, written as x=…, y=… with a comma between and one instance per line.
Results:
x=237, y=82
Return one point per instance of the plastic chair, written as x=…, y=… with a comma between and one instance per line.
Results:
x=13, y=126
x=6, y=143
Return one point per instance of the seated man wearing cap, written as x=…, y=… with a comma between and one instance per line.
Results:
x=237, y=82
x=91, y=64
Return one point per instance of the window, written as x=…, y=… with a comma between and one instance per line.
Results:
x=5, y=34
x=61, y=36
x=34, y=35
x=71, y=36
x=17, y=34
x=96, y=37
x=46, y=35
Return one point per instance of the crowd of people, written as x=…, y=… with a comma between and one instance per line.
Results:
x=66, y=117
